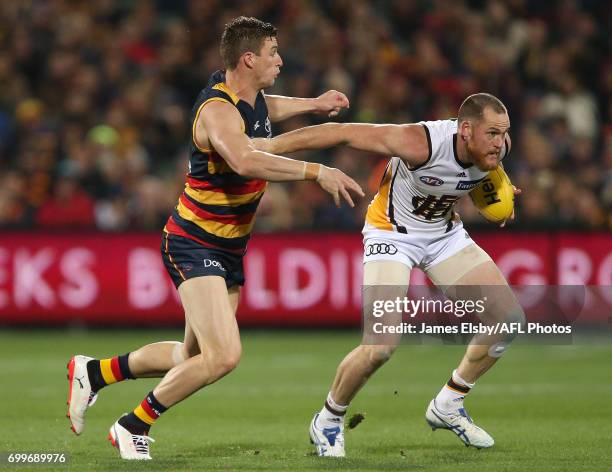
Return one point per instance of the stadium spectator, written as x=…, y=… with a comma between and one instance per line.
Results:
x=68, y=207
x=104, y=88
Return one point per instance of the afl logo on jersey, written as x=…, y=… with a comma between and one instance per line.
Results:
x=431, y=180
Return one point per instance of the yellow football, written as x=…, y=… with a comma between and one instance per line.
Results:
x=494, y=196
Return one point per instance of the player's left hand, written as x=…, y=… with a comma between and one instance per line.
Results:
x=517, y=192
x=331, y=102
x=338, y=184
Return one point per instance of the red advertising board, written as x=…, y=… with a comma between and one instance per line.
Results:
x=292, y=279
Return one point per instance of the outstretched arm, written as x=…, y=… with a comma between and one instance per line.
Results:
x=220, y=124
x=280, y=108
x=409, y=142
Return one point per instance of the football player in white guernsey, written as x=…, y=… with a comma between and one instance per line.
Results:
x=411, y=223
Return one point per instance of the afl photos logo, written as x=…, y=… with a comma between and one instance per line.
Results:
x=380, y=248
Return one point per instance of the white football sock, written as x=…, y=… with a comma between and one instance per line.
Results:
x=329, y=419
x=450, y=398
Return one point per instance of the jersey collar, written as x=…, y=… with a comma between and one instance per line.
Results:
x=463, y=165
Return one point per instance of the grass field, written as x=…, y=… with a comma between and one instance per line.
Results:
x=548, y=407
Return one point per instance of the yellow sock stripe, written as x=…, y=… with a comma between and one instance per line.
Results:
x=107, y=372
x=140, y=412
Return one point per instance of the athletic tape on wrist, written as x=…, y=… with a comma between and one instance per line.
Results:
x=312, y=171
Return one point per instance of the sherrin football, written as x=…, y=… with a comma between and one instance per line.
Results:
x=494, y=196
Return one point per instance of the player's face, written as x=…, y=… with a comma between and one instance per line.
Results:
x=486, y=139
x=268, y=63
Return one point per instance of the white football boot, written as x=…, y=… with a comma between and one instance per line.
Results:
x=459, y=423
x=329, y=442
x=80, y=394
x=131, y=446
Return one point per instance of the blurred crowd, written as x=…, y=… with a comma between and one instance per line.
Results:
x=95, y=99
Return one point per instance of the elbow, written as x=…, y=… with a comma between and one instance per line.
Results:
x=247, y=171
x=243, y=166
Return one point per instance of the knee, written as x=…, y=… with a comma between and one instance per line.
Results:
x=512, y=319
x=231, y=360
x=224, y=362
x=377, y=355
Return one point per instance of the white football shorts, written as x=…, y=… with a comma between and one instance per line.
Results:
x=423, y=249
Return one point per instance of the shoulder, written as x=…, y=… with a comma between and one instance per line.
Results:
x=439, y=133
x=440, y=129
x=215, y=90
x=216, y=93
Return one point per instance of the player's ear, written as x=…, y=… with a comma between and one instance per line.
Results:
x=249, y=59
x=466, y=130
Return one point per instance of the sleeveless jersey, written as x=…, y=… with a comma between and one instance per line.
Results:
x=217, y=207
x=422, y=198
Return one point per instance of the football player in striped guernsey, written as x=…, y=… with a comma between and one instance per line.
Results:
x=411, y=223
x=206, y=236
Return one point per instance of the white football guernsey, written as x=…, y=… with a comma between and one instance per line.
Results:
x=422, y=198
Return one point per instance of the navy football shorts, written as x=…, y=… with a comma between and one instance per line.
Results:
x=185, y=259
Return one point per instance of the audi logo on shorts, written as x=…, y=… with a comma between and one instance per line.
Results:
x=380, y=248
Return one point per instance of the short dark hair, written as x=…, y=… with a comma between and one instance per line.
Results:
x=474, y=106
x=241, y=35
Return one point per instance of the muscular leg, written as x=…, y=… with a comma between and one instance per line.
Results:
x=472, y=274
x=355, y=370
x=210, y=316
x=477, y=360
x=383, y=280
x=155, y=360
x=210, y=312
x=87, y=376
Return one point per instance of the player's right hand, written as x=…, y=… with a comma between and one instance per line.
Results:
x=337, y=183
x=331, y=102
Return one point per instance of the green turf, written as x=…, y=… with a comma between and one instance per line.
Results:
x=548, y=408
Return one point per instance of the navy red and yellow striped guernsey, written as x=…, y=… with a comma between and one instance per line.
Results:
x=217, y=207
